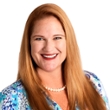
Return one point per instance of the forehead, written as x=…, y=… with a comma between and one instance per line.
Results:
x=47, y=24
x=47, y=20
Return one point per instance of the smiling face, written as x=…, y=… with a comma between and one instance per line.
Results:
x=48, y=44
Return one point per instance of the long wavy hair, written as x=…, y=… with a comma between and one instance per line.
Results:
x=79, y=89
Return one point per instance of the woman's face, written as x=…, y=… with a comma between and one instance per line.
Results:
x=48, y=44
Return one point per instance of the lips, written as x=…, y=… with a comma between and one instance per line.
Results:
x=49, y=56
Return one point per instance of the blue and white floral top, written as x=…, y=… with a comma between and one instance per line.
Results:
x=14, y=97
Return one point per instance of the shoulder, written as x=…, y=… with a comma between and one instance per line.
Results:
x=13, y=97
x=94, y=80
x=97, y=85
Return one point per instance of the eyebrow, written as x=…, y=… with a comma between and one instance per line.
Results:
x=60, y=35
x=44, y=36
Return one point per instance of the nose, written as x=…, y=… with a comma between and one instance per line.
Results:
x=49, y=46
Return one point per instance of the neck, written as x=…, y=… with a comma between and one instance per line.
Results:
x=52, y=79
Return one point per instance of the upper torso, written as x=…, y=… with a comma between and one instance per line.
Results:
x=14, y=97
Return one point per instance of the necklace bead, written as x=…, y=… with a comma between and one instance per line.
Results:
x=55, y=90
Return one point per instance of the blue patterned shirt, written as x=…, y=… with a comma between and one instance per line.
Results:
x=14, y=97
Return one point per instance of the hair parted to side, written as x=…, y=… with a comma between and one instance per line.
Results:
x=79, y=89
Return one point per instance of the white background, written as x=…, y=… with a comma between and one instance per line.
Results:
x=91, y=22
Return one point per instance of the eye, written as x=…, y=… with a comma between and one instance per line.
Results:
x=39, y=38
x=57, y=38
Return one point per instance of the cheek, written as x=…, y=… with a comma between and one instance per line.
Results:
x=35, y=48
x=62, y=46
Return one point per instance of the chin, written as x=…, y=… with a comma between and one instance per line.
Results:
x=49, y=69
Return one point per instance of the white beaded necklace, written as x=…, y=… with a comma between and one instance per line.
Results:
x=55, y=90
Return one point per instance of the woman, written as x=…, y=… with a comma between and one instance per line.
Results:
x=50, y=75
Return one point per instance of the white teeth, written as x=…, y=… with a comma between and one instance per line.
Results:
x=49, y=56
